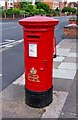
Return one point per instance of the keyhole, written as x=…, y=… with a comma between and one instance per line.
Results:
x=45, y=61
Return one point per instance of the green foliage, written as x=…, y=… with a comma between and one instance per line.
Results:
x=64, y=9
x=26, y=13
x=1, y=13
x=73, y=10
x=54, y=13
x=57, y=11
x=31, y=9
x=27, y=9
x=49, y=13
x=23, y=4
x=43, y=6
x=41, y=11
x=36, y=12
x=22, y=12
x=16, y=11
x=10, y=12
x=69, y=10
x=40, y=8
x=30, y=6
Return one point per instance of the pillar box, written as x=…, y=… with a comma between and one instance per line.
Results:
x=38, y=57
x=54, y=47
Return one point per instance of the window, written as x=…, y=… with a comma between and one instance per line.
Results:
x=11, y=4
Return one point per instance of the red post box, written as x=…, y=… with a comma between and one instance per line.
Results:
x=38, y=52
x=54, y=47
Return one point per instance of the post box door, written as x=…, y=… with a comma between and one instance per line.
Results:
x=36, y=68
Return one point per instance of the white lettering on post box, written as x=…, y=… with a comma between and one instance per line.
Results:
x=33, y=50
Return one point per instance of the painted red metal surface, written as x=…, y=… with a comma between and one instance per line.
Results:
x=38, y=51
x=54, y=46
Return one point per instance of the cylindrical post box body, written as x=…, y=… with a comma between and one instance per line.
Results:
x=38, y=51
x=54, y=48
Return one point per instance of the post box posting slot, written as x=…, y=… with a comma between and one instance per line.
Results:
x=33, y=36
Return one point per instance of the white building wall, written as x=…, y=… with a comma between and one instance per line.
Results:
x=10, y=3
x=2, y=3
x=55, y=4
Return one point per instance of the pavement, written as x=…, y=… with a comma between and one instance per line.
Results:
x=65, y=83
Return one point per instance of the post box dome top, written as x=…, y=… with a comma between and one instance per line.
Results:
x=36, y=21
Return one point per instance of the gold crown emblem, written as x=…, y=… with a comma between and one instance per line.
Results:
x=33, y=71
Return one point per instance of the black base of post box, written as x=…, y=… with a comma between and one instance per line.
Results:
x=38, y=99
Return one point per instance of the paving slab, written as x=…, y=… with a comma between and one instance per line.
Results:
x=14, y=93
x=72, y=54
x=54, y=109
x=68, y=66
x=74, y=47
x=13, y=109
x=65, y=41
x=58, y=59
x=71, y=99
x=0, y=109
x=70, y=59
x=73, y=50
x=13, y=104
x=22, y=83
x=62, y=52
x=68, y=115
x=69, y=110
x=64, y=73
x=66, y=46
x=18, y=80
x=56, y=64
x=60, y=84
x=76, y=76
